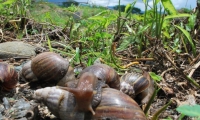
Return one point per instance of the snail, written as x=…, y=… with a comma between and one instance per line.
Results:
x=114, y=105
x=137, y=84
x=105, y=73
x=8, y=76
x=47, y=66
x=133, y=84
x=83, y=93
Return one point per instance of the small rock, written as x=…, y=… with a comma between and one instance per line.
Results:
x=16, y=49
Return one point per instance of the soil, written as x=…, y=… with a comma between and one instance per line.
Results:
x=174, y=86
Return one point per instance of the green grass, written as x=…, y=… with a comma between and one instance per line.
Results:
x=48, y=12
x=57, y=15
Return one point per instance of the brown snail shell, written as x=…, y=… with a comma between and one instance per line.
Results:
x=134, y=83
x=8, y=76
x=138, y=85
x=116, y=105
x=145, y=95
x=105, y=73
x=49, y=66
x=27, y=73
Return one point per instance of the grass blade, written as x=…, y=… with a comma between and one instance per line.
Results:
x=187, y=34
x=169, y=7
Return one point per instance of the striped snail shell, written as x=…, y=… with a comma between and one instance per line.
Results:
x=27, y=73
x=134, y=83
x=47, y=66
x=8, y=76
x=116, y=105
x=104, y=73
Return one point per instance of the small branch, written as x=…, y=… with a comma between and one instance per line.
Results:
x=180, y=71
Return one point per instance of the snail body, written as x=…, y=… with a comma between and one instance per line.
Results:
x=104, y=73
x=83, y=93
x=8, y=76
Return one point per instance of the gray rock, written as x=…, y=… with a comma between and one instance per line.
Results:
x=16, y=49
x=77, y=15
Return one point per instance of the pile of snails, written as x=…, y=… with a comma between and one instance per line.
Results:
x=97, y=93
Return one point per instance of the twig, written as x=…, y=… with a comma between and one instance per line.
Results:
x=1, y=35
x=180, y=71
x=193, y=69
x=198, y=56
x=163, y=73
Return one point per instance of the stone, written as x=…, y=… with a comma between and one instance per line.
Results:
x=16, y=49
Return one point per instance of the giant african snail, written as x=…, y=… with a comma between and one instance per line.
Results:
x=47, y=66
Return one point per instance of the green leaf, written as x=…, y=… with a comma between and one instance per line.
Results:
x=49, y=44
x=157, y=1
x=155, y=77
x=97, y=18
x=144, y=28
x=77, y=56
x=144, y=1
x=169, y=7
x=129, y=28
x=192, y=111
x=105, y=12
x=166, y=34
x=9, y=2
x=192, y=21
x=187, y=34
x=76, y=26
x=127, y=8
x=177, y=16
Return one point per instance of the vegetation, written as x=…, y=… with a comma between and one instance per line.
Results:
x=160, y=34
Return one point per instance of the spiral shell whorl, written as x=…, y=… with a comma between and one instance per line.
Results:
x=133, y=83
x=8, y=76
x=49, y=66
x=27, y=73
